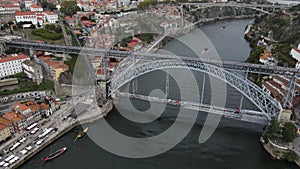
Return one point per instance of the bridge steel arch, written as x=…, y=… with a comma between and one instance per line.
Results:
x=267, y=104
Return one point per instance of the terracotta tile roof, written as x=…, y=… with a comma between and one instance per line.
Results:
x=12, y=58
x=276, y=85
x=49, y=13
x=275, y=93
x=13, y=116
x=33, y=106
x=35, y=6
x=44, y=106
x=56, y=64
x=266, y=55
x=19, y=13
x=3, y=126
x=297, y=50
x=20, y=107
x=10, y=6
x=100, y=72
x=70, y=18
x=44, y=58
x=284, y=81
x=30, y=63
x=5, y=121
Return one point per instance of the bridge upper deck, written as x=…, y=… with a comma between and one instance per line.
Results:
x=226, y=64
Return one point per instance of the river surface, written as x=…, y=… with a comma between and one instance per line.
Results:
x=234, y=145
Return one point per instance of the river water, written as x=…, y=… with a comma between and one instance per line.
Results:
x=234, y=145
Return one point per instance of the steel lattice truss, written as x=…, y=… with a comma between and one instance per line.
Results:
x=233, y=65
x=268, y=105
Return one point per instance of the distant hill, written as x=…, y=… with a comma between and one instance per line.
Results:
x=283, y=27
x=284, y=24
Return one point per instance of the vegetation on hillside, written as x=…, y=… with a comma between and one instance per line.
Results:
x=50, y=32
x=283, y=27
x=69, y=7
x=275, y=131
x=26, y=85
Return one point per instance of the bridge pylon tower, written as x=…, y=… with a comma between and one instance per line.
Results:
x=288, y=99
x=135, y=86
x=167, y=87
x=242, y=98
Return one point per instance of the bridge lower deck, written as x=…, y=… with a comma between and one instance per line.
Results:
x=243, y=115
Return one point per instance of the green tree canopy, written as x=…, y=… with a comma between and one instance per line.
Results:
x=47, y=5
x=69, y=7
x=273, y=131
x=146, y=3
x=291, y=156
x=289, y=132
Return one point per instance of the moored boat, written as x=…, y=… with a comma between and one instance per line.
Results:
x=55, y=154
x=81, y=134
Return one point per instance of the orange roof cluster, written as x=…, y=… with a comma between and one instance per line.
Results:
x=275, y=93
x=266, y=55
x=9, y=58
x=44, y=58
x=33, y=106
x=70, y=18
x=44, y=106
x=4, y=123
x=25, y=13
x=35, y=6
x=10, y=5
x=20, y=107
x=49, y=13
x=57, y=64
x=13, y=116
x=297, y=50
x=16, y=114
x=100, y=71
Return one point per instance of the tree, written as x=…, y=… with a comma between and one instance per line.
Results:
x=289, y=132
x=146, y=3
x=273, y=131
x=32, y=26
x=69, y=7
x=290, y=156
x=47, y=5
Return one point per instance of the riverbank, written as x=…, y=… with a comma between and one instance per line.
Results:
x=279, y=152
x=66, y=126
x=166, y=39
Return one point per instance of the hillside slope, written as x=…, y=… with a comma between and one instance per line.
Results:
x=282, y=28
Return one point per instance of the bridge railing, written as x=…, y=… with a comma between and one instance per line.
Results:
x=259, y=97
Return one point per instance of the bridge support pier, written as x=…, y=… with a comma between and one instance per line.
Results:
x=242, y=98
x=31, y=52
x=134, y=86
x=167, y=85
x=2, y=48
x=288, y=99
x=103, y=90
x=203, y=89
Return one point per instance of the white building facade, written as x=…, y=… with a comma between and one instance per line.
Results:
x=51, y=17
x=12, y=64
x=27, y=16
x=295, y=52
x=10, y=7
x=27, y=4
x=36, y=8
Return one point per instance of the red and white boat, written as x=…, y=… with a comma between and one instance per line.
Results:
x=55, y=154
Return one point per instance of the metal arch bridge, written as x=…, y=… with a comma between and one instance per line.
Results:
x=226, y=64
x=269, y=106
x=242, y=5
x=257, y=7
